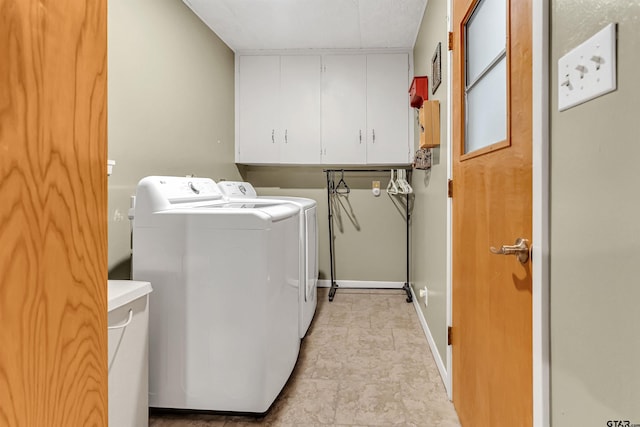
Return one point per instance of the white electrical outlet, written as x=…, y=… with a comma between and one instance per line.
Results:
x=117, y=216
x=588, y=70
x=375, y=188
x=424, y=293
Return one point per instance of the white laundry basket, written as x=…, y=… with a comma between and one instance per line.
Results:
x=128, y=353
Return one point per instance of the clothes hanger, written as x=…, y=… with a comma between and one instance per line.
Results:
x=403, y=183
x=399, y=182
x=392, y=188
x=332, y=182
x=342, y=187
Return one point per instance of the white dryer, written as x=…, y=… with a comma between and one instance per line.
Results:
x=245, y=192
x=223, y=330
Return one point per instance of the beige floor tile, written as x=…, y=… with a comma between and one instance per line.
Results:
x=370, y=403
x=398, y=320
x=376, y=307
x=319, y=321
x=437, y=414
x=395, y=291
x=411, y=340
x=249, y=422
x=426, y=402
x=326, y=334
x=370, y=338
x=306, y=401
x=182, y=419
x=356, y=291
x=386, y=366
x=305, y=364
x=327, y=366
x=350, y=319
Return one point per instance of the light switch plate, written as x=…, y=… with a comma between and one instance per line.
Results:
x=588, y=70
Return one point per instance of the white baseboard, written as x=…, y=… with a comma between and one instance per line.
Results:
x=432, y=344
x=361, y=284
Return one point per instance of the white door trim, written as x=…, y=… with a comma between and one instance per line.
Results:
x=448, y=381
x=540, y=252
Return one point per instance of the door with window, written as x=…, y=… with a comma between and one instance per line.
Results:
x=492, y=211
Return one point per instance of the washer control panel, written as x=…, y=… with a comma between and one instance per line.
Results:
x=185, y=189
x=237, y=189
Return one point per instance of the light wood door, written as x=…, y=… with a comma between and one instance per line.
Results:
x=344, y=114
x=300, y=109
x=492, y=202
x=53, y=207
x=259, y=112
x=388, y=109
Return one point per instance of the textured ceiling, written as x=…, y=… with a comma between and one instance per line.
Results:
x=312, y=24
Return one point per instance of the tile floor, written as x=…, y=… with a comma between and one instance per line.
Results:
x=364, y=362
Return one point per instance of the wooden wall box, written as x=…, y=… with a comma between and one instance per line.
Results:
x=429, y=118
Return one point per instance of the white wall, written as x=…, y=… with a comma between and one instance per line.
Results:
x=171, y=105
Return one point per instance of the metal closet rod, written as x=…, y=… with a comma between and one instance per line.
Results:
x=365, y=170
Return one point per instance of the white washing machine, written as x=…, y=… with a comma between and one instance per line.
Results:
x=244, y=191
x=223, y=332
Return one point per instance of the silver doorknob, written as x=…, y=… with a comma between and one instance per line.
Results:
x=520, y=250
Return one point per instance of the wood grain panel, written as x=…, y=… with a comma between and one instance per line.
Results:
x=53, y=206
x=492, y=347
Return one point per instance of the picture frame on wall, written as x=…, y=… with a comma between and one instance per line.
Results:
x=436, y=69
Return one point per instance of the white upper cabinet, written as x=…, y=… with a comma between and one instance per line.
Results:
x=388, y=110
x=259, y=100
x=279, y=109
x=300, y=109
x=338, y=109
x=365, y=109
x=344, y=116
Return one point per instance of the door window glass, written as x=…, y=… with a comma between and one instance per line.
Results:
x=486, y=75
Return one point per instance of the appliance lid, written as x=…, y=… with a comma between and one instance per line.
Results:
x=300, y=201
x=241, y=205
x=122, y=292
x=242, y=212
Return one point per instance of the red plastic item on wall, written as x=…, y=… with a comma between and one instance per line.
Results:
x=419, y=91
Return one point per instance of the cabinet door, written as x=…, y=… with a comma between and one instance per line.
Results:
x=344, y=120
x=388, y=108
x=259, y=88
x=299, y=135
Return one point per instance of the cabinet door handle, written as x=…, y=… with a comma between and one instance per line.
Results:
x=373, y=134
x=273, y=136
x=286, y=141
x=360, y=136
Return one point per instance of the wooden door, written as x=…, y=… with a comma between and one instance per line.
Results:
x=300, y=109
x=53, y=207
x=388, y=109
x=344, y=115
x=259, y=109
x=492, y=202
